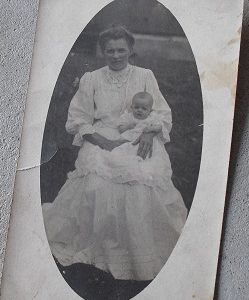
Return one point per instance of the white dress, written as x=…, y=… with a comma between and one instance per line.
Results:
x=127, y=228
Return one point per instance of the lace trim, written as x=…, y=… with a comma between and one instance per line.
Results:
x=118, y=78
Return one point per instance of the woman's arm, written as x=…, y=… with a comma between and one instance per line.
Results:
x=81, y=117
x=81, y=108
x=102, y=142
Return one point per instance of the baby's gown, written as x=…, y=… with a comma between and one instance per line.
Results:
x=129, y=228
x=123, y=165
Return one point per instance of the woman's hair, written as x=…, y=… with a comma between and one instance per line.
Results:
x=115, y=32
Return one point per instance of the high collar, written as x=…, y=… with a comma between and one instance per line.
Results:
x=120, y=72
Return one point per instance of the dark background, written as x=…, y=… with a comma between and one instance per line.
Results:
x=161, y=46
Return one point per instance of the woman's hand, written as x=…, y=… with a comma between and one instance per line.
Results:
x=145, y=141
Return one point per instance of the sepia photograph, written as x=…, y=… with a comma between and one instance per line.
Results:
x=121, y=150
x=121, y=179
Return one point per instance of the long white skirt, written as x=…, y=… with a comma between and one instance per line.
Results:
x=128, y=229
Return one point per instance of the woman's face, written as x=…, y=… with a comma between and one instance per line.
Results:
x=116, y=54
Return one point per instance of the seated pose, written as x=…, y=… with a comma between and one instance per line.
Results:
x=122, y=225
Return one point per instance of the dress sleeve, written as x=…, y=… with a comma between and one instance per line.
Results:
x=160, y=105
x=81, y=110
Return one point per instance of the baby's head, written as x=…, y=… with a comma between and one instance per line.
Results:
x=142, y=105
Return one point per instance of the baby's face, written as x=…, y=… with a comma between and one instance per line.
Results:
x=141, y=107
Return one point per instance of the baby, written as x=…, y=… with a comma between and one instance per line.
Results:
x=122, y=164
x=141, y=119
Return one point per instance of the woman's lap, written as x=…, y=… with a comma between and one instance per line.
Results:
x=128, y=230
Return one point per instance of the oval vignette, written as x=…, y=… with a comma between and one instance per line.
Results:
x=161, y=46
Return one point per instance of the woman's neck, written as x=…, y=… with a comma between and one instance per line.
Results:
x=120, y=71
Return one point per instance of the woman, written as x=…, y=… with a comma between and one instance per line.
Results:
x=126, y=229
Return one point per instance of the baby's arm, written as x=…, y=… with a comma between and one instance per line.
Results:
x=126, y=122
x=124, y=127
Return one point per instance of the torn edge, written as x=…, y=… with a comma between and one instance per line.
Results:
x=40, y=164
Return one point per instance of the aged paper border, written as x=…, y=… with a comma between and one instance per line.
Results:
x=213, y=30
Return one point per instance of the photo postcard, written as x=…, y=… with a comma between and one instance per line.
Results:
x=121, y=180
